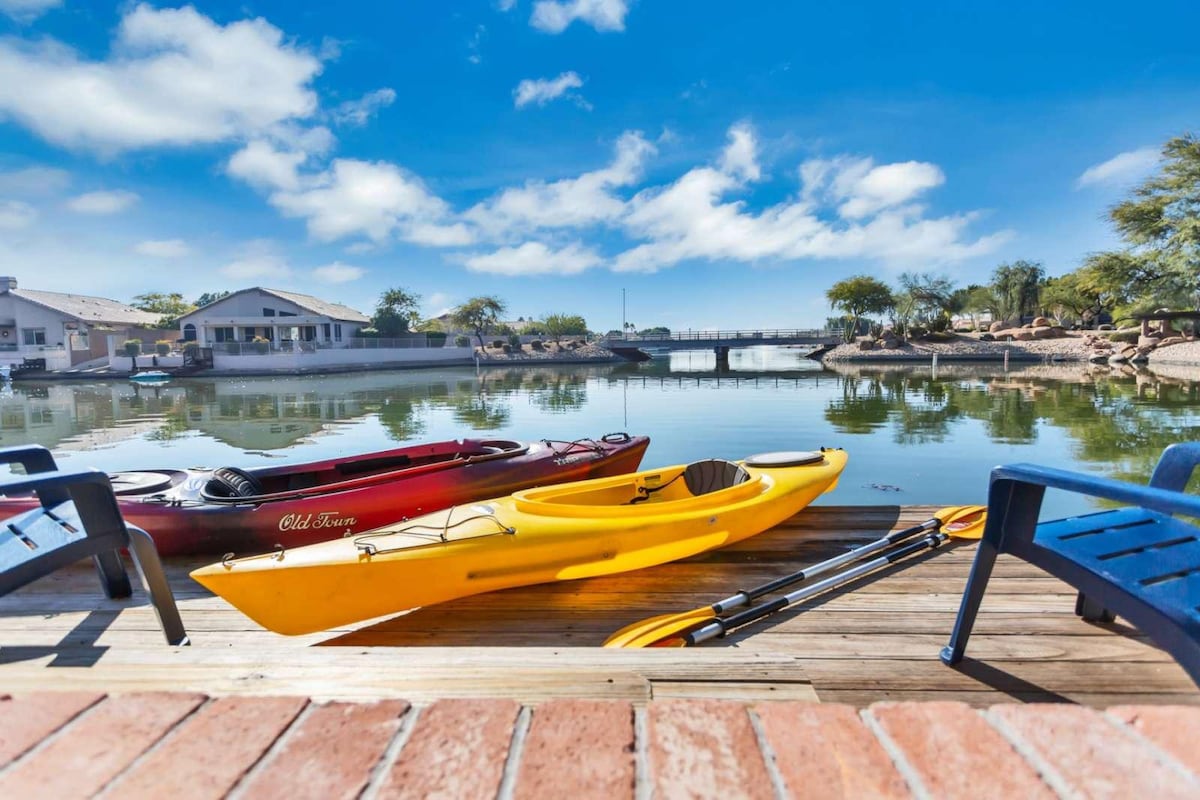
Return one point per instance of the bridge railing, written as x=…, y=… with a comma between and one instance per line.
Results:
x=711, y=335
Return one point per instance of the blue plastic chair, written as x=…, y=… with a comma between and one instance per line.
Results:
x=1140, y=561
x=78, y=517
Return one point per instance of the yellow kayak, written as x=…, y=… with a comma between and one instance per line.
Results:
x=572, y=530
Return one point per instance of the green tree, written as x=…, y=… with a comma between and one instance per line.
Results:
x=859, y=295
x=396, y=312
x=170, y=306
x=931, y=298
x=208, y=298
x=1161, y=225
x=557, y=326
x=1086, y=293
x=1016, y=288
x=479, y=315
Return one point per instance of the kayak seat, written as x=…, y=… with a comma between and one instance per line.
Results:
x=232, y=482
x=713, y=475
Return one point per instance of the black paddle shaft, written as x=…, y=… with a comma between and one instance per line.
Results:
x=721, y=626
x=747, y=595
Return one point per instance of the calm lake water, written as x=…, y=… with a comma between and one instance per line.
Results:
x=913, y=436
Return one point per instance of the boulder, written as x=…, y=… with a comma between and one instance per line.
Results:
x=999, y=325
x=889, y=343
x=1118, y=358
x=1170, y=340
x=1043, y=332
x=1023, y=335
x=1040, y=322
x=866, y=343
x=1148, y=341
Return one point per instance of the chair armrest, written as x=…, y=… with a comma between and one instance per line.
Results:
x=1161, y=500
x=33, y=457
x=53, y=487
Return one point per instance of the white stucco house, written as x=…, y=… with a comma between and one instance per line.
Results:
x=64, y=329
x=284, y=319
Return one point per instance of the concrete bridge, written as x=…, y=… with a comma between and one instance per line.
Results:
x=722, y=341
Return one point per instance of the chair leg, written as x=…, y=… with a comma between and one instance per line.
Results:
x=1091, y=610
x=149, y=567
x=113, y=577
x=981, y=571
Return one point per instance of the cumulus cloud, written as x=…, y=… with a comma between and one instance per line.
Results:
x=175, y=77
x=534, y=258
x=34, y=181
x=15, y=215
x=358, y=112
x=102, y=203
x=571, y=202
x=163, y=248
x=337, y=272
x=553, y=16
x=543, y=90
x=263, y=166
x=25, y=11
x=1121, y=168
x=741, y=154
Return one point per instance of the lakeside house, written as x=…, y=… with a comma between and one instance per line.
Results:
x=284, y=320
x=65, y=330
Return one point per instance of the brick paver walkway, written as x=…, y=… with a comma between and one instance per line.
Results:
x=180, y=746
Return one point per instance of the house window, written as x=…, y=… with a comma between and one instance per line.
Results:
x=269, y=334
x=337, y=331
x=189, y=332
x=268, y=312
x=308, y=332
x=247, y=334
x=32, y=336
x=287, y=313
x=223, y=335
x=325, y=330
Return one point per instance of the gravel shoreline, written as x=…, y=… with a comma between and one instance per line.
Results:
x=1068, y=348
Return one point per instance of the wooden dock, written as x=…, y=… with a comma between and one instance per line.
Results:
x=875, y=640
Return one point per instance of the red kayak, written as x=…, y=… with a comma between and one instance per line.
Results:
x=249, y=511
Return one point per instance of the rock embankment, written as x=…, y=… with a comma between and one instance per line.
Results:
x=546, y=352
x=965, y=347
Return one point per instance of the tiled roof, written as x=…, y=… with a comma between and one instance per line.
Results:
x=319, y=306
x=88, y=309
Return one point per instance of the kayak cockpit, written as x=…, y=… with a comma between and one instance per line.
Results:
x=231, y=484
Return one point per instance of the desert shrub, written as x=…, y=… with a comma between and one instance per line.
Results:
x=162, y=347
x=514, y=340
x=536, y=344
x=132, y=347
x=1125, y=337
x=506, y=348
x=462, y=341
x=497, y=344
x=261, y=345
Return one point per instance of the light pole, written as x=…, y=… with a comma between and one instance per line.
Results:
x=624, y=330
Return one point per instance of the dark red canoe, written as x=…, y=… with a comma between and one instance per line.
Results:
x=247, y=511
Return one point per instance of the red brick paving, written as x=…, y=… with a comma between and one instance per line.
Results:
x=181, y=746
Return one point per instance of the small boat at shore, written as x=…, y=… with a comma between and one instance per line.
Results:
x=562, y=532
x=226, y=509
x=151, y=376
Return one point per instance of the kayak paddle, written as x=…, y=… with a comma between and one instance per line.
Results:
x=721, y=626
x=962, y=521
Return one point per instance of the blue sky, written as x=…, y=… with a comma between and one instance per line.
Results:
x=723, y=163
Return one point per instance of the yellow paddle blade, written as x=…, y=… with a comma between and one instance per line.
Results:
x=968, y=524
x=648, y=631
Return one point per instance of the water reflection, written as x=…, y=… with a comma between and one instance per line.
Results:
x=933, y=438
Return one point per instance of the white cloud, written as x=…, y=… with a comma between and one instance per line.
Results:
x=175, y=78
x=259, y=259
x=1121, y=168
x=741, y=154
x=475, y=44
x=571, y=202
x=102, y=202
x=163, y=248
x=690, y=219
x=263, y=166
x=25, y=11
x=34, y=181
x=543, y=90
x=372, y=199
x=505, y=5
x=15, y=215
x=359, y=112
x=534, y=258
x=554, y=16
x=337, y=272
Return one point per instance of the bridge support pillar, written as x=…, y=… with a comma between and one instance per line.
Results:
x=722, y=351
